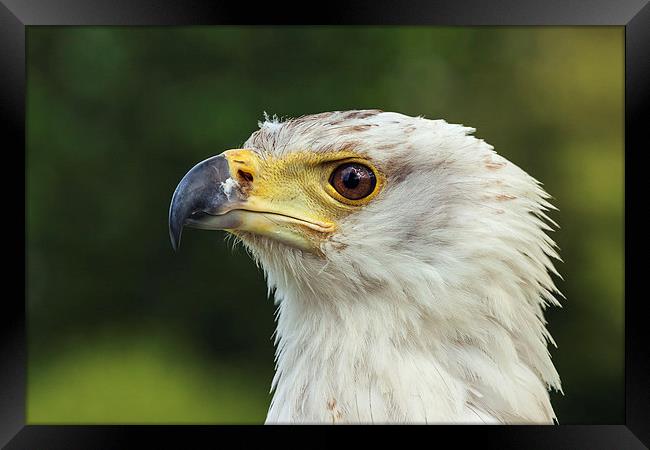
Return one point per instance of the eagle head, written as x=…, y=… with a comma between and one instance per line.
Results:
x=377, y=227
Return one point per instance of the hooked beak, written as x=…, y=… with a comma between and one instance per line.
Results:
x=202, y=198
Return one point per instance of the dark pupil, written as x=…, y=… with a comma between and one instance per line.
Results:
x=351, y=177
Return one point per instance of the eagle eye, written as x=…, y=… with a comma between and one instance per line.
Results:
x=353, y=181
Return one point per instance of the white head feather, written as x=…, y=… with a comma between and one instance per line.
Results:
x=427, y=305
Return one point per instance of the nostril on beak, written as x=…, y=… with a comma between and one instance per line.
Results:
x=245, y=176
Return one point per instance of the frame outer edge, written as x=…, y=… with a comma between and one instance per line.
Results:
x=12, y=115
x=386, y=12
x=12, y=318
x=637, y=97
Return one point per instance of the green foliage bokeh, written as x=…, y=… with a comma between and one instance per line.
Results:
x=121, y=329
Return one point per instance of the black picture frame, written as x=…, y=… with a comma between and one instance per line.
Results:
x=15, y=15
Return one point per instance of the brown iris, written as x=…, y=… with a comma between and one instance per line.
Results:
x=353, y=181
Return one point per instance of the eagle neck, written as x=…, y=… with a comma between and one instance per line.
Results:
x=367, y=360
x=371, y=359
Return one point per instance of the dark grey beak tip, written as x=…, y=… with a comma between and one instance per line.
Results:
x=199, y=190
x=176, y=241
x=175, y=229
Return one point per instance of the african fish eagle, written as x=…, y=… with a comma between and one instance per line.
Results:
x=410, y=265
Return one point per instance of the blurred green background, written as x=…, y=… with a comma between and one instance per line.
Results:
x=122, y=330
